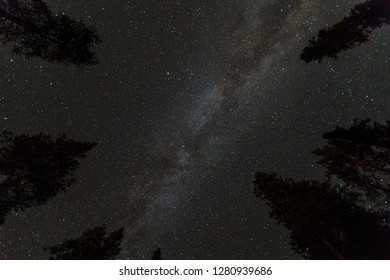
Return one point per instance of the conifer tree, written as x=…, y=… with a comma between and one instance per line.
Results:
x=35, y=168
x=346, y=215
x=350, y=32
x=31, y=29
x=94, y=244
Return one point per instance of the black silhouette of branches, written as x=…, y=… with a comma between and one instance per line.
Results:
x=33, y=30
x=352, y=31
x=94, y=244
x=36, y=168
x=342, y=217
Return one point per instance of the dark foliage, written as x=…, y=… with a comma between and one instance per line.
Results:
x=36, y=168
x=157, y=255
x=323, y=223
x=331, y=220
x=359, y=156
x=94, y=244
x=32, y=30
x=352, y=31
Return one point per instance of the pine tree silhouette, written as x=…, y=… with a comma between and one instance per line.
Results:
x=352, y=31
x=342, y=217
x=323, y=222
x=157, y=255
x=32, y=30
x=36, y=168
x=359, y=156
x=94, y=244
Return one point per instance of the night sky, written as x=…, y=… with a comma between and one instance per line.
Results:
x=189, y=99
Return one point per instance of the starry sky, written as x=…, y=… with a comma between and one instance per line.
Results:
x=189, y=99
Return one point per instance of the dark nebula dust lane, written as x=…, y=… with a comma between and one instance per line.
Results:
x=189, y=99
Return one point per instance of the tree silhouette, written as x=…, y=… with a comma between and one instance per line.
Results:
x=94, y=244
x=34, y=31
x=352, y=31
x=323, y=223
x=330, y=220
x=359, y=156
x=156, y=255
x=35, y=168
